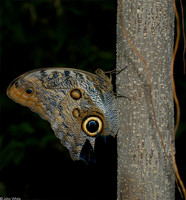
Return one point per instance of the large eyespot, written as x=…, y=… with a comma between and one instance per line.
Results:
x=92, y=125
x=76, y=94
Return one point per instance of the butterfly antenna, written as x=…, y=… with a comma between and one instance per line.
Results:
x=114, y=71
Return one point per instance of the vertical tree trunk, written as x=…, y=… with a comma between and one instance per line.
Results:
x=143, y=170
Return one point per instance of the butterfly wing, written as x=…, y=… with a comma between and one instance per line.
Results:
x=79, y=105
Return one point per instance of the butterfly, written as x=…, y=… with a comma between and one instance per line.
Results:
x=79, y=105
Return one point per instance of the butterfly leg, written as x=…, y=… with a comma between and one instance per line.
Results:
x=121, y=96
x=114, y=71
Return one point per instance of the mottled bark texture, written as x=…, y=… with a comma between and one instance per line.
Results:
x=143, y=170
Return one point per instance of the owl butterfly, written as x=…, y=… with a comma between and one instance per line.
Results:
x=79, y=105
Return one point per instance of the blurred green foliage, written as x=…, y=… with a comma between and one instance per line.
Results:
x=58, y=33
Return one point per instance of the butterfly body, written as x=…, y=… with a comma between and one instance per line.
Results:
x=79, y=105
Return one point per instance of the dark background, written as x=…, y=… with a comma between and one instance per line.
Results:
x=53, y=33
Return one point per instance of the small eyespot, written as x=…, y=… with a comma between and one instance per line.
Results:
x=92, y=126
x=76, y=112
x=16, y=82
x=76, y=94
x=29, y=91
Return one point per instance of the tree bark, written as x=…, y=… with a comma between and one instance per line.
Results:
x=143, y=170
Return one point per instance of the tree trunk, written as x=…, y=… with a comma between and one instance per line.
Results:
x=143, y=170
